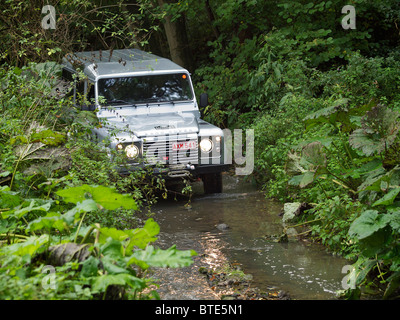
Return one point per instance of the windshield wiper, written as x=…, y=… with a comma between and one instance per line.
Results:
x=118, y=101
x=169, y=101
x=173, y=102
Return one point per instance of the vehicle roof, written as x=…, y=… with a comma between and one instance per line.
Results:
x=100, y=63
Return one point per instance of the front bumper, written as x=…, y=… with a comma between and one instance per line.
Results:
x=179, y=171
x=211, y=168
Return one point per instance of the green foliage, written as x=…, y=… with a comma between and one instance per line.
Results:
x=266, y=65
x=324, y=103
x=331, y=138
x=334, y=217
x=101, y=195
x=311, y=164
x=316, y=30
x=32, y=133
x=262, y=53
x=275, y=135
x=162, y=258
x=79, y=24
x=369, y=229
x=225, y=81
x=46, y=155
x=378, y=133
x=107, y=262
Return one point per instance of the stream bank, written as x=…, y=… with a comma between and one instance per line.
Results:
x=231, y=234
x=210, y=279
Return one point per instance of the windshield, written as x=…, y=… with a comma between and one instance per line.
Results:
x=146, y=89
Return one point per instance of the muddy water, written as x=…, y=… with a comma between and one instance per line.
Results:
x=305, y=271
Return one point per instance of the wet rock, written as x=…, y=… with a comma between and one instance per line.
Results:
x=289, y=211
x=279, y=238
x=283, y=295
x=63, y=253
x=292, y=210
x=222, y=226
x=291, y=232
x=233, y=284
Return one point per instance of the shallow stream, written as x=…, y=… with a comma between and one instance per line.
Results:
x=304, y=270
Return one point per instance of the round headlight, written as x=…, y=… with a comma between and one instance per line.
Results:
x=206, y=145
x=132, y=151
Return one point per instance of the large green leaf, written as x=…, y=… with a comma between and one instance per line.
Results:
x=367, y=142
x=113, y=249
x=388, y=198
x=60, y=221
x=374, y=179
x=372, y=231
x=90, y=267
x=105, y=196
x=337, y=112
x=74, y=214
x=34, y=205
x=9, y=199
x=162, y=258
x=310, y=164
x=367, y=224
x=51, y=220
x=100, y=284
x=111, y=266
x=380, y=127
x=302, y=180
x=112, y=233
x=313, y=157
x=141, y=237
x=30, y=246
x=394, y=219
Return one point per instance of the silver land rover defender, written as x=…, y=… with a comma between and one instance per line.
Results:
x=148, y=110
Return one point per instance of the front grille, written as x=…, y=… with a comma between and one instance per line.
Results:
x=160, y=150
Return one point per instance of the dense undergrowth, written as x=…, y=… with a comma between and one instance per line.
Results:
x=328, y=137
x=70, y=226
x=340, y=152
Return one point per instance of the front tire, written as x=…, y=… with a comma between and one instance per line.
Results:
x=212, y=182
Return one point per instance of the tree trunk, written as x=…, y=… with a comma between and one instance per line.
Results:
x=212, y=19
x=177, y=39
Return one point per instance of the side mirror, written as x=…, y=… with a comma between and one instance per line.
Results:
x=203, y=100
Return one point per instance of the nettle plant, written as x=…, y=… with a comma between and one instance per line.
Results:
x=359, y=154
x=88, y=261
